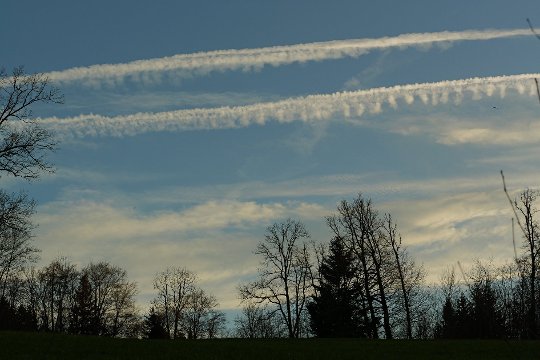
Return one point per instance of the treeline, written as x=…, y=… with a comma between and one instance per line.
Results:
x=97, y=299
x=100, y=300
x=362, y=283
x=498, y=302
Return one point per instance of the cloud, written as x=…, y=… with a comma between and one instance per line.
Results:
x=215, y=238
x=95, y=221
x=350, y=106
x=510, y=128
x=442, y=220
x=461, y=226
x=149, y=71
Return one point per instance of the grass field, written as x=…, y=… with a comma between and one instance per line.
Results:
x=54, y=346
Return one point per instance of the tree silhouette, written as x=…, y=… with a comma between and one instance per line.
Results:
x=154, y=325
x=83, y=320
x=16, y=251
x=284, y=275
x=334, y=311
x=24, y=143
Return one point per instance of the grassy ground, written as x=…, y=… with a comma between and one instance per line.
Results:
x=54, y=346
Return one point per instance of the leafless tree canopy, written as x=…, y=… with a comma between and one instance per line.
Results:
x=258, y=322
x=24, y=144
x=16, y=251
x=388, y=280
x=284, y=275
x=187, y=310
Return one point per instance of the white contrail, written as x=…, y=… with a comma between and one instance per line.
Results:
x=312, y=108
x=249, y=59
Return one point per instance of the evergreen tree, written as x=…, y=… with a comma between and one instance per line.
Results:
x=334, y=311
x=488, y=322
x=82, y=314
x=154, y=326
x=447, y=328
x=463, y=318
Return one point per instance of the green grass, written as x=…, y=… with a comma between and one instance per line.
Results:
x=15, y=345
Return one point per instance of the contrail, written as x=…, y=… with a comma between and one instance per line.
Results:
x=252, y=59
x=342, y=105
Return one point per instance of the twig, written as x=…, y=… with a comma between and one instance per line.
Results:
x=532, y=28
x=537, y=89
x=512, y=205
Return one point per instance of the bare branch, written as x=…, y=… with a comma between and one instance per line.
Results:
x=23, y=142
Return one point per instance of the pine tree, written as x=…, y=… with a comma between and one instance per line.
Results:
x=463, y=318
x=82, y=314
x=154, y=326
x=334, y=311
x=448, y=325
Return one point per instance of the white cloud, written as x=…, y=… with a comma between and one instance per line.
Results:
x=442, y=221
x=311, y=109
x=92, y=221
x=215, y=239
x=150, y=71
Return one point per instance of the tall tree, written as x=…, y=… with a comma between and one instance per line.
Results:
x=359, y=225
x=83, y=320
x=526, y=207
x=57, y=284
x=335, y=311
x=525, y=210
x=24, y=145
x=284, y=275
x=16, y=251
x=175, y=285
x=113, y=298
x=410, y=277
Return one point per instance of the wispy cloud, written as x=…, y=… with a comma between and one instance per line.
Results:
x=313, y=108
x=455, y=218
x=252, y=59
x=214, y=237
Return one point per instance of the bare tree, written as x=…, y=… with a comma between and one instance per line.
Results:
x=388, y=281
x=197, y=313
x=284, y=275
x=409, y=275
x=187, y=310
x=358, y=224
x=57, y=283
x=16, y=250
x=112, y=296
x=257, y=322
x=527, y=209
x=24, y=143
x=174, y=286
x=123, y=317
x=215, y=324
x=524, y=209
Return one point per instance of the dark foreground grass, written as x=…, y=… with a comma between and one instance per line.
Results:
x=15, y=345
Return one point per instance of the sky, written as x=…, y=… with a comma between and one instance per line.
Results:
x=190, y=126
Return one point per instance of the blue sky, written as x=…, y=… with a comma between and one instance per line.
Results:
x=175, y=153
